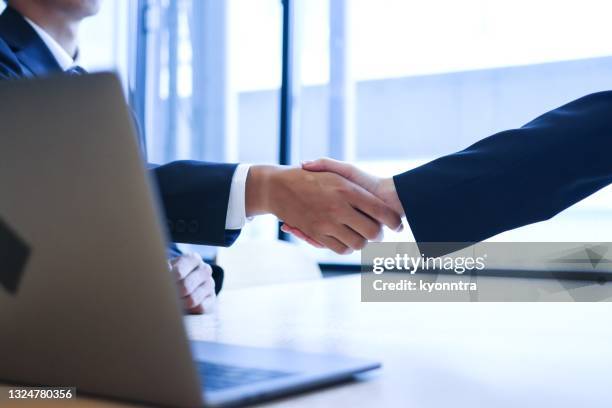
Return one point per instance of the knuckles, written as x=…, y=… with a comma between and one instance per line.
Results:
x=190, y=302
x=322, y=227
x=206, y=268
x=380, y=211
x=183, y=291
x=345, y=188
x=336, y=209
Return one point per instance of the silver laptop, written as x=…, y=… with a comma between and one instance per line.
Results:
x=86, y=299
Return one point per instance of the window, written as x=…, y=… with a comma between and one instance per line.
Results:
x=212, y=73
x=389, y=84
x=432, y=77
x=105, y=39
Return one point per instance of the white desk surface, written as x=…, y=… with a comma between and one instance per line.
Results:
x=433, y=354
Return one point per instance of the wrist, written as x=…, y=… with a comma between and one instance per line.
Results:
x=258, y=190
x=388, y=194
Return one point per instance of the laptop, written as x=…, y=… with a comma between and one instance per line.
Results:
x=86, y=299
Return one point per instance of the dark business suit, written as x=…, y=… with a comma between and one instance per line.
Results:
x=512, y=178
x=193, y=194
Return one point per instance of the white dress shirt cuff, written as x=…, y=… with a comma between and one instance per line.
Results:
x=236, y=208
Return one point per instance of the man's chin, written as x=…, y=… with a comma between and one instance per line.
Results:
x=92, y=8
x=81, y=9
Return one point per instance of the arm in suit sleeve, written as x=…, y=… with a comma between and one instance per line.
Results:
x=513, y=178
x=194, y=196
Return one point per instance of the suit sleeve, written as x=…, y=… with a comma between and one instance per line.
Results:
x=513, y=178
x=194, y=196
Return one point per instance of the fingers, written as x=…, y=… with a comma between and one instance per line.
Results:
x=343, y=169
x=208, y=305
x=335, y=245
x=300, y=235
x=185, y=264
x=350, y=238
x=195, y=279
x=201, y=298
x=375, y=208
x=328, y=209
x=198, y=295
x=326, y=164
x=199, y=309
x=365, y=226
x=195, y=283
x=344, y=239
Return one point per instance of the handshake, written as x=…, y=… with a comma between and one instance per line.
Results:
x=326, y=203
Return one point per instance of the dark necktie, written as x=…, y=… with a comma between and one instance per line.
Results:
x=76, y=70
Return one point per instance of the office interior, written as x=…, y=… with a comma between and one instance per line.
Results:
x=388, y=85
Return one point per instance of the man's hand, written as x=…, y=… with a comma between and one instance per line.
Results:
x=383, y=188
x=195, y=283
x=330, y=209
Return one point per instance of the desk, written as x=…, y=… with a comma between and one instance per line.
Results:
x=434, y=354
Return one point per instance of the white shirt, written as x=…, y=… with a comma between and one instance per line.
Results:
x=236, y=208
x=62, y=57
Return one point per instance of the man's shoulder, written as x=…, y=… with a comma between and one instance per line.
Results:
x=10, y=66
x=4, y=48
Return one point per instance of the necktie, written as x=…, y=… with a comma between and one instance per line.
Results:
x=76, y=70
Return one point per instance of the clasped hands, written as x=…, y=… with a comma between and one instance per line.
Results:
x=326, y=202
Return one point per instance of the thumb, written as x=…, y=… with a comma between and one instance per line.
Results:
x=324, y=164
x=333, y=166
x=346, y=170
x=199, y=309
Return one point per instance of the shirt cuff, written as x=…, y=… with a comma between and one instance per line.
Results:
x=236, y=208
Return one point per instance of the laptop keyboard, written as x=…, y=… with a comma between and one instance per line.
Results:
x=217, y=377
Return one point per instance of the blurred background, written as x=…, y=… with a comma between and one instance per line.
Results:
x=387, y=84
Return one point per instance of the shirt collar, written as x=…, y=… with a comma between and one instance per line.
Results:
x=64, y=59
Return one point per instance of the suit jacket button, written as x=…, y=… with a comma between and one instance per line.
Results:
x=194, y=226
